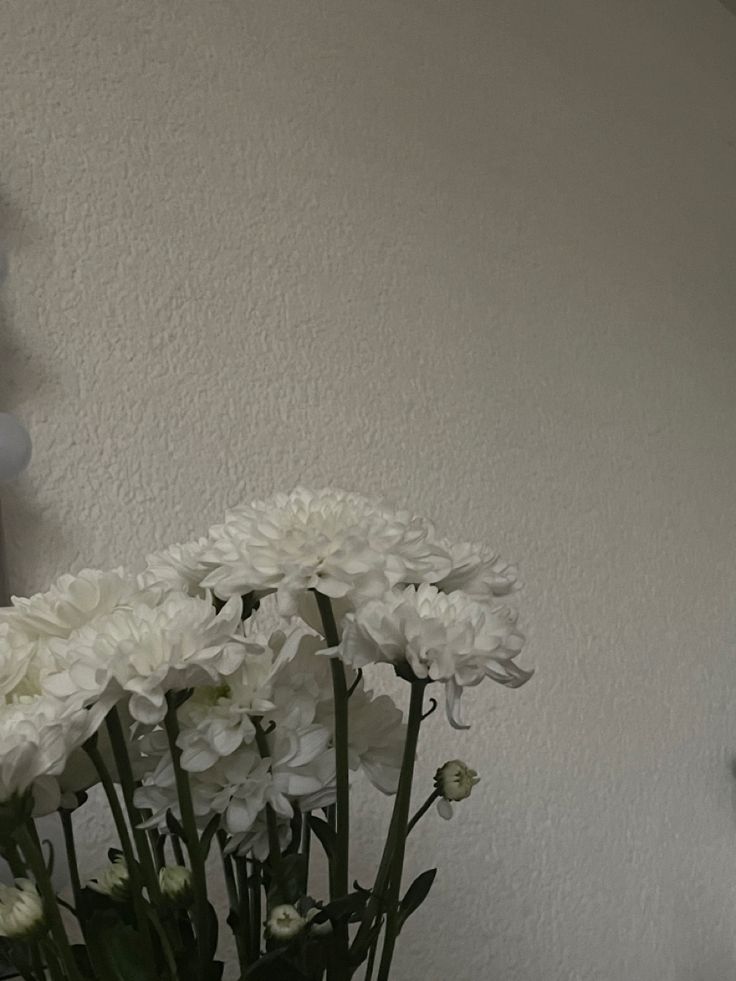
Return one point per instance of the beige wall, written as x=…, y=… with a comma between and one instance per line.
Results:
x=478, y=255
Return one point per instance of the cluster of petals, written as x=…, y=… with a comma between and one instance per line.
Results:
x=338, y=543
x=445, y=637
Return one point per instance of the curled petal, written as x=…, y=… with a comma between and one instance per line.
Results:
x=444, y=808
x=453, y=694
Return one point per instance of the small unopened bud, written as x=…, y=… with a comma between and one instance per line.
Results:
x=175, y=882
x=21, y=911
x=455, y=780
x=285, y=922
x=112, y=881
x=320, y=929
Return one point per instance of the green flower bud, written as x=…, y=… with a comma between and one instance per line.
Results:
x=113, y=881
x=21, y=911
x=285, y=922
x=175, y=882
x=455, y=780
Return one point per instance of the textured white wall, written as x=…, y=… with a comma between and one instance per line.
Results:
x=475, y=254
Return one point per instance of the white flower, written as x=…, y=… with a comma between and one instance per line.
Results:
x=21, y=911
x=453, y=781
x=175, y=882
x=237, y=787
x=148, y=649
x=286, y=688
x=73, y=601
x=284, y=922
x=255, y=840
x=376, y=731
x=478, y=571
x=112, y=881
x=337, y=543
x=37, y=737
x=439, y=636
x=178, y=567
x=37, y=632
x=17, y=654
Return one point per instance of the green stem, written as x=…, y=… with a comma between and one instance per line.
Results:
x=255, y=905
x=342, y=770
x=435, y=795
x=339, y=881
x=374, y=908
x=239, y=910
x=189, y=823
x=165, y=943
x=403, y=803
x=305, y=846
x=127, y=783
x=37, y=962
x=12, y=856
x=371, y=959
x=34, y=858
x=71, y=854
x=136, y=886
x=274, y=848
x=52, y=961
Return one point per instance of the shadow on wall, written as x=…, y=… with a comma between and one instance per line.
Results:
x=22, y=377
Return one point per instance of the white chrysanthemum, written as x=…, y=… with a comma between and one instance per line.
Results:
x=443, y=637
x=148, y=650
x=37, y=632
x=255, y=840
x=237, y=787
x=21, y=911
x=178, y=567
x=286, y=687
x=478, y=571
x=338, y=543
x=17, y=654
x=216, y=721
x=37, y=738
x=73, y=601
x=376, y=732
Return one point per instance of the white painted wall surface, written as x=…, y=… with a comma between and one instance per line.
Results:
x=477, y=255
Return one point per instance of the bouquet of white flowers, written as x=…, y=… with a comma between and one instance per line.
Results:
x=218, y=700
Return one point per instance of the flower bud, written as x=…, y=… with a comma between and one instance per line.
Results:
x=21, y=911
x=175, y=882
x=285, y=922
x=112, y=881
x=454, y=781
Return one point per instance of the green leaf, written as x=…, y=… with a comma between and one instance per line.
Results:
x=208, y=834
x=174, y=826
x=92, y=904
x=52, y=856
x=273, y=966
x=212, y=931
x=187, y=969
x=116, y=948
x=346, y=907
x=325, y=834
x=415, y=895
